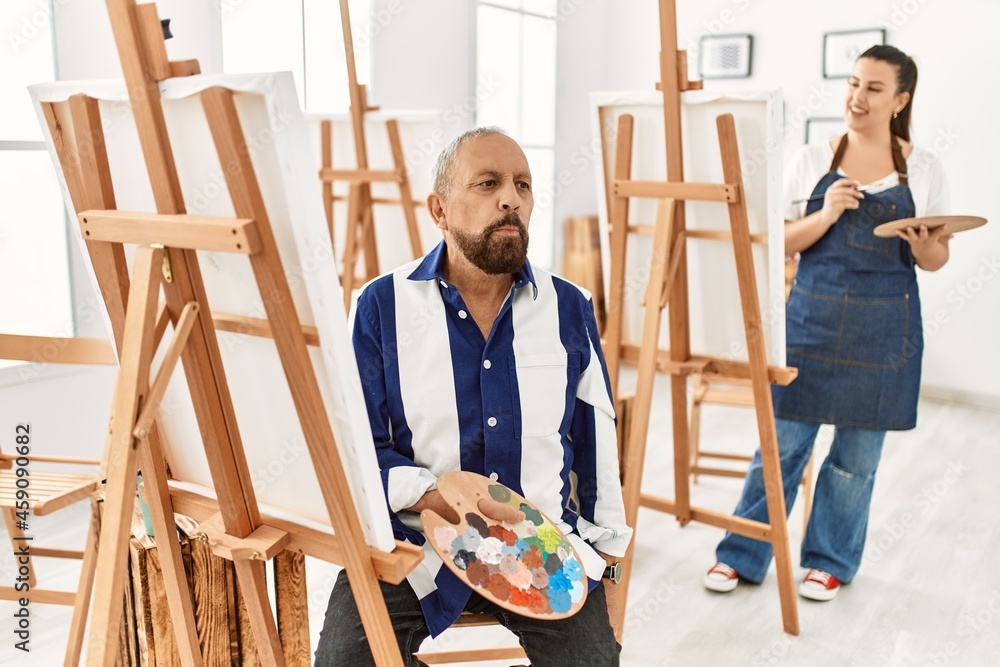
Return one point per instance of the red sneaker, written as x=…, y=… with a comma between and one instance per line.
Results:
x=819, y=585
x=721, y=578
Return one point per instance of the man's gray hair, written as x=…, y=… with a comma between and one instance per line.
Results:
x=445, y=164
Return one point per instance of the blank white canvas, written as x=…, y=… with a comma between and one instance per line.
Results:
x=715, y=313
x=279, y=463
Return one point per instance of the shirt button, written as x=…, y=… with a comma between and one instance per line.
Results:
x=492, y=421
x=487, y=364
x=444, y=284
x=463, y=314
x=494, y=476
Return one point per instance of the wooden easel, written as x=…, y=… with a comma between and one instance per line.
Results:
x=668, y=288
x=166, y=258
x=360, y=203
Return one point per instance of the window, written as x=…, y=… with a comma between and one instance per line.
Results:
x=35, y=294
x=516, y=54
x=304, y=37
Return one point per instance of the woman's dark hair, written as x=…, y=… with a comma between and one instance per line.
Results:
x=906, y=82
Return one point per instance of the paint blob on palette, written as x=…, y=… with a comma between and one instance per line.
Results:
x=529, y=567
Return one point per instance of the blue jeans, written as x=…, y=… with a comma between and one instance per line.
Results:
x=583, y=639
x=835, y=535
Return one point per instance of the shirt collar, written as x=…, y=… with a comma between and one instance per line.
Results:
x=432, y=268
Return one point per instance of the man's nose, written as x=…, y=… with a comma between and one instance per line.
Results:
x=508, y=197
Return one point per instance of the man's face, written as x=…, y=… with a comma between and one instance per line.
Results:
x=486, y=216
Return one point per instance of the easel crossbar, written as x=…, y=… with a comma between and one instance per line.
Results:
x=389, y=567
x=191, y=232
x=745, y=527
x=258, y=326
x=725, y=192
x=779, y=375
x=360, y=175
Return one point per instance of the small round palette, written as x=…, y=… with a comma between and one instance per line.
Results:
x=956, y=223
x=529, y=568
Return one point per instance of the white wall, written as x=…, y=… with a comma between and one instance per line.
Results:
x=424, y=58
x=616, y=48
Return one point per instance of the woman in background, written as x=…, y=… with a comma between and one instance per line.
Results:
x=853, y=322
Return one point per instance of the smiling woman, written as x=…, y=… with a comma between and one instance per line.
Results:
x=853, y=321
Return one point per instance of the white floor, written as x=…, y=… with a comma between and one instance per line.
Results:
x=927, y=595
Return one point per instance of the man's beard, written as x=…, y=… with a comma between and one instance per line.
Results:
x=495, y=254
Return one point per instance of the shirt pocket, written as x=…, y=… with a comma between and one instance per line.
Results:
x=543, y=384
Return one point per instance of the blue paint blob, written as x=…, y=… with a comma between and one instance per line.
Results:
x=559, y=601
x=559, y=582
x=572, y=569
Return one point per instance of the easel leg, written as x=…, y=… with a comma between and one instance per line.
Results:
x=773, y=487
x=77, y=627
x=618, y=243
x=252, y=579
x=642, y=404
x=750, y=303
x=349, y=265
x=326, y=143
x=174, y=579
x=368, y=232
x=133, y=378
x=405, y=196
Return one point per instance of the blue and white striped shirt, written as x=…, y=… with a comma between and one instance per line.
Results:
x=525, y=407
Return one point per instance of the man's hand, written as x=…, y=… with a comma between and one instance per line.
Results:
x=488, y=507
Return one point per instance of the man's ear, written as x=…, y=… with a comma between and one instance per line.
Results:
x=435, y=205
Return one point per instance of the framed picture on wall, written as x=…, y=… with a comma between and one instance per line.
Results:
x=823, y=128
x=724, y=56
x=841, y=49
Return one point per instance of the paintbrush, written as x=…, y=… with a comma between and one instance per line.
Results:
x=862, y=188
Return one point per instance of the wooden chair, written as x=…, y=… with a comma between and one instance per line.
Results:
x=70, y=481
x=467, y=620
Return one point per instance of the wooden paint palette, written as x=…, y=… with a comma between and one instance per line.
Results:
x=956, y=223
x=529, y=568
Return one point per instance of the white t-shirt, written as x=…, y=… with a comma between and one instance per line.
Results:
x=926, y=180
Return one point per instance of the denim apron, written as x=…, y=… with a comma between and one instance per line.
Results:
x=853, y=317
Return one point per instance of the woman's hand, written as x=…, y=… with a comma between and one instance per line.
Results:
x=841, y=196
x=930, y=248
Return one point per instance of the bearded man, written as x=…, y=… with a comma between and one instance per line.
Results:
x=472, y=360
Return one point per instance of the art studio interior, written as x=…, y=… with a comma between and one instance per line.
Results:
x=642, y=332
